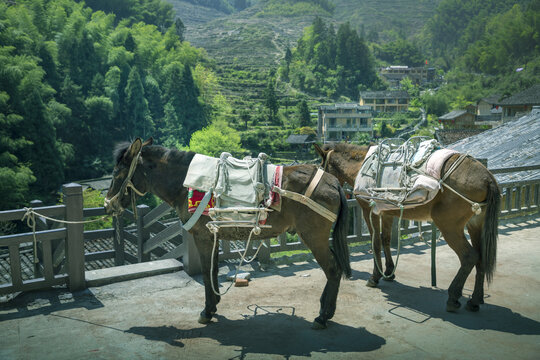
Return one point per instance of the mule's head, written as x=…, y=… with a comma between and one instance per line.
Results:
x=342, y=160
x=127, y=180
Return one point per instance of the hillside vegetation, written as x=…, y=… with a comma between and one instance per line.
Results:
x=73, y=82
x=77, y=77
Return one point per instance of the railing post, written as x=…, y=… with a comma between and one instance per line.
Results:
x=190, y=258
x=118, y=241
x=73, y=199
x=142, y=234
x=433, y=251
x=264, y=252
x=41, y=224
x=358, y=221
x=394, y=235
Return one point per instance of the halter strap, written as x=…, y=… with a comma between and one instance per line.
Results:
x=327, y=159
x=128, y=184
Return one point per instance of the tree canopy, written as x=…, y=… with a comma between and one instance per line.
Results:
x=73, y=81
x=331, y=64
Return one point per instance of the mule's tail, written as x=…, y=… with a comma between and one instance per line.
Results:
x=340, y=245
x=490, y=229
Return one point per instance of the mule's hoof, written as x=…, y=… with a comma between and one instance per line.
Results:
x=318, y=324
x=204, y=320
x=389, y=278
x=453, y=306
x=371, y=283
x=472, y=307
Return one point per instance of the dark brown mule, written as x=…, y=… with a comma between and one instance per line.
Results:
x=162, y=171
x=450, y=213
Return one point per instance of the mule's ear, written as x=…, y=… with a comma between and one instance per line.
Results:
x=319, y=150
x=134, y=148
x=149, y=141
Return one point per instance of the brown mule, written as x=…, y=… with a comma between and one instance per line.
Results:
x=450, y=213
x=143, y=167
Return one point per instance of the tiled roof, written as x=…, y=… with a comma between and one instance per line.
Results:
x=450, y=136
x=453, y=114
x=343, y=106
x=492, y=99
x=300, y=139
x=530, y=96
x=512, y=144
x=389, y=94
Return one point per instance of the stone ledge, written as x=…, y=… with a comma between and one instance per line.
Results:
x=133, y=271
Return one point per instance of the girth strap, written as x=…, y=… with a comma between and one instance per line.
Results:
x=319, y=209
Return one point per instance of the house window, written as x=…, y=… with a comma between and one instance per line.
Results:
x=379, y=101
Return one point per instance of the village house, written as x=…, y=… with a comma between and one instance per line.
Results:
x=520, y=104
x=385, y=101
x=418, y=75
x=343, y=121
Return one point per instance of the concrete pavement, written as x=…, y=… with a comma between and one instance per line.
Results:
x=156, y=317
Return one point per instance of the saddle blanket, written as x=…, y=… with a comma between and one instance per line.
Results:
x=401, y=175
x=235, y=183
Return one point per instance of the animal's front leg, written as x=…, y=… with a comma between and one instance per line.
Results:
x=211, y=298
x=375, y=237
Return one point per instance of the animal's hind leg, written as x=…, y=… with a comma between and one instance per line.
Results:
x=455, y=237
x=320, y=248
x=474, y=228
x=386, y=236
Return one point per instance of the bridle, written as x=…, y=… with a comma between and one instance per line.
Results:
x=115, y=201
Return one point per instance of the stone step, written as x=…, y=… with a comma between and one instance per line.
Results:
x=133, y=271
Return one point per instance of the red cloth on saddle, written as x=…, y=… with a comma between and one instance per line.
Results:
x=194, y=199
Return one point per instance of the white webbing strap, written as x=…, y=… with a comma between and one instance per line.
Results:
x=198, y=212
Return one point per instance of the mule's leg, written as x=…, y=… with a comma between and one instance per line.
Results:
x=386, y=234
x=474, y=227
x=204, y=246
x=375, y=234
x=320, y=248
x=453, y=232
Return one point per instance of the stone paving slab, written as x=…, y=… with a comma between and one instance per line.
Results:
x=156, y=317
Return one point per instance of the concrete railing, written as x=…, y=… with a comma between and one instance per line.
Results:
x=61, y=254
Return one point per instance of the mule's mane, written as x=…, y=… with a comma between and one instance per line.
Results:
x=119, y=151
x=154, y=150
x=355, y=152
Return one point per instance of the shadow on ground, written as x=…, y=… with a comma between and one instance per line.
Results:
x=421, y=304
x=271, y=330
x=46, y=302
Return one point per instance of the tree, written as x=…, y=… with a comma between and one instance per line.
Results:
x=180, y=28
x=245, y=117
x=15, y=177
x=136, y=111
x=215, y=139
x=270, y=100
x=304, y=116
